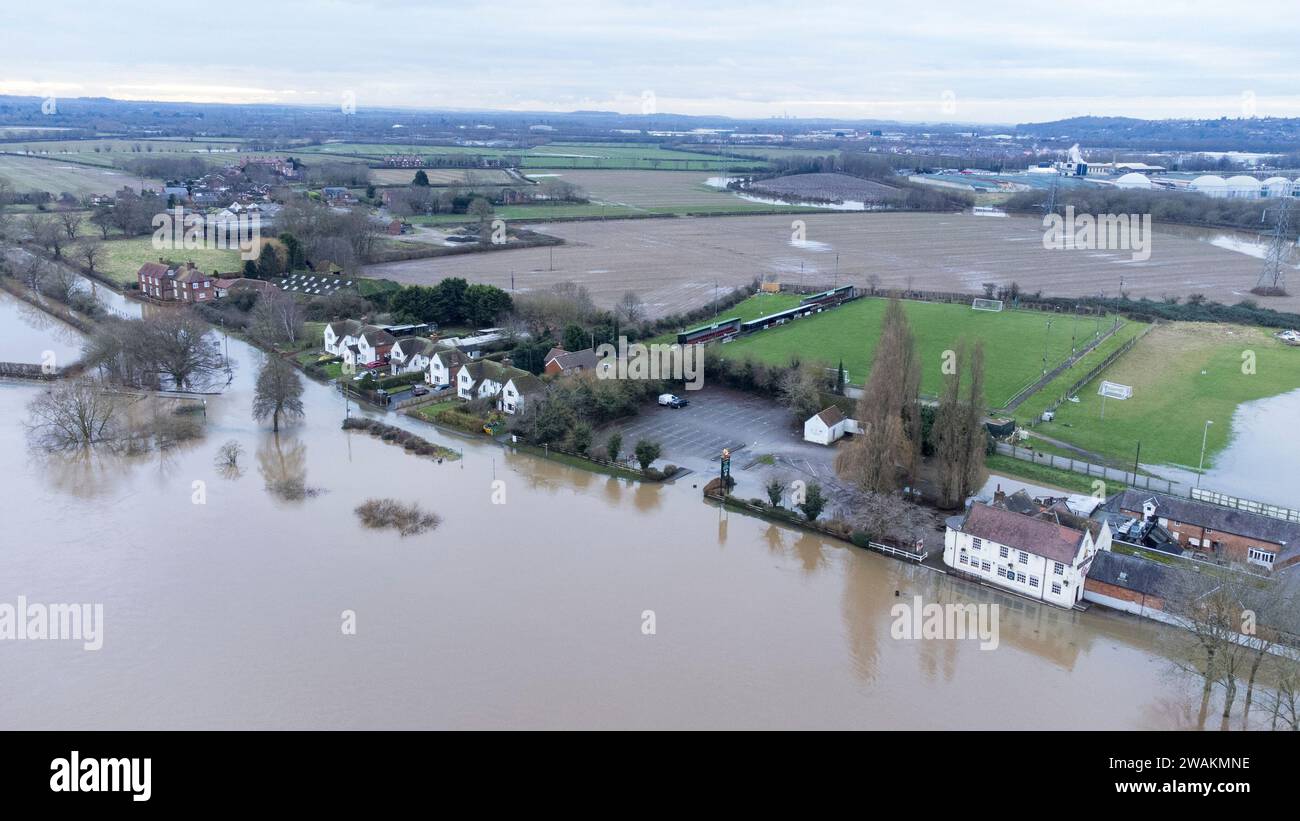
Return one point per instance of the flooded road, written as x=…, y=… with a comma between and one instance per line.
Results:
x=227, y=614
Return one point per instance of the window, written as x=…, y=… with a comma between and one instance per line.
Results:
x=985, y=566
x=1264, y=557
x=1058, y=569
x=1033, y=581
x=961, y=559
x=976, y=543
x=1002, y=551
x=1056, y=589
x=1002, y=571
x=1020, y=577
x=1024, y=558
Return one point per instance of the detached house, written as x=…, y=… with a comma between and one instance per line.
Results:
x=172, y=283
x=411, y=354
x=484, y=378
x=339, y=335
x=560, y=361
x=518, y=391
x=1044, y=557
x=444, y=364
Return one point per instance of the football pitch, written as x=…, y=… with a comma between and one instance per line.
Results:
x=1016, y=343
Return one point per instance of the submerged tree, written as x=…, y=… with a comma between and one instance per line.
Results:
x=73, y=414
x=278, y=393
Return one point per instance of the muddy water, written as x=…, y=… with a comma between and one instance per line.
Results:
x=26, y=334
x=525, y=614
x=1262, y=460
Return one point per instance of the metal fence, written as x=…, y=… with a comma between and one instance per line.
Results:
x=1248, y=505
x=1089, y=469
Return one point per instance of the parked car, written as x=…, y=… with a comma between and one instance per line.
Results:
x=672, y=400
x=419, y=390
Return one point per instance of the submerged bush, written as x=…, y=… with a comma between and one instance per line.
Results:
x=407, y=519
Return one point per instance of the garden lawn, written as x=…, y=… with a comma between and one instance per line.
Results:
x=125, y=256
x=1182, y=374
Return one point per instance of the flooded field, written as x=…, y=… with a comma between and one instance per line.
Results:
x=675, y=264
x=29, y=333
x=530, y=613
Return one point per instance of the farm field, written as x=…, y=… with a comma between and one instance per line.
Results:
x=441, y=176
x=1014, y=342
x=34, y=174
x=1182, y=374
x=654, y=191
x=674, y=263
x=125, y=256
x=554, y=155
x=838, y=187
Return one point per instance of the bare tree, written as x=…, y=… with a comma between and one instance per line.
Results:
x=180, y=347
x=279, y=392
x=91, y=252
x=277, y=317
x=72, y=414
x=630, y=308
x=45, y=231
x=800, y=391
x=71, y=223
x=59, y=282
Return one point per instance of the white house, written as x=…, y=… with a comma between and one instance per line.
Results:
x=479, y=379
x=339, y=335
x=518, y=391
x=411, y=354
x=1030, y=555
x=828, y=426
x=373, y=343
x=443, y=365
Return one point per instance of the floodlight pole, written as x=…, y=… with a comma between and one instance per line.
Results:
x=1205, y=435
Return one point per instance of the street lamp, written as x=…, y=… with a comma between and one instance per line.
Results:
x=1204, y=437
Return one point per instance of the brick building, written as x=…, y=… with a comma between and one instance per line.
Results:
x=176, y=283
x=1213, y=532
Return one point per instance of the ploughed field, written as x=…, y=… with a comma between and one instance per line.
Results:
x=833, y=187
x=675, y=264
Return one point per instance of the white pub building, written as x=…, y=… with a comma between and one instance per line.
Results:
x=1037, y=557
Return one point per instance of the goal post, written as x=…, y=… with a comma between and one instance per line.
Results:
x=1114, y=390
x=982, y=304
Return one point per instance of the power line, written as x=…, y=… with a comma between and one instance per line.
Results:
x=1272, y=279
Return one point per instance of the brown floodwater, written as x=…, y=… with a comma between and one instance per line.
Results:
x=228, y=614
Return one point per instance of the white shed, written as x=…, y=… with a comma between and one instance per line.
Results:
x=827, y=426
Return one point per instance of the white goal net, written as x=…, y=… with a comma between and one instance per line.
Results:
x=1114, y=390
x=982, y=304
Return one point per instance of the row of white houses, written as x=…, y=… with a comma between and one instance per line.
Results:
x=443, y=366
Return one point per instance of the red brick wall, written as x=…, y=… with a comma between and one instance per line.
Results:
x=1123, y=594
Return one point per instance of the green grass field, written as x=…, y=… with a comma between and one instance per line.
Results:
x=1182, y=374
x=1034, y=406
x=125, y=256
x=1014, y=342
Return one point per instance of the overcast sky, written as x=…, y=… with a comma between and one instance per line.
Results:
x=988, y=61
